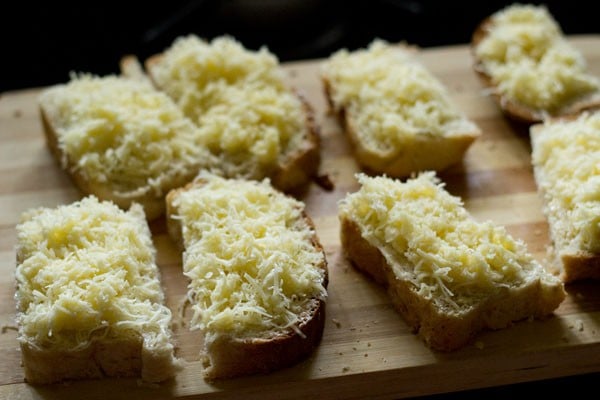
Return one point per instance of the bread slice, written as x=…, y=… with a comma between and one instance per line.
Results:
x=89, y=301
x=449, y=276
x=399, y=118
x=533, y=73
x=251, y=121
x=257, y=274
x=120, y=140
x=566, y=160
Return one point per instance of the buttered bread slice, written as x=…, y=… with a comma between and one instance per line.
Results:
x=399, y=117
x=250, y=120
x=522, y=54
x=448, y=275
x=257, y=274
x=566, y=163
x=121, y=140
x=88, y=295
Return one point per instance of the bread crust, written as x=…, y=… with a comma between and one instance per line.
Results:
x=515, y=110
x=441, y=329
x=154, y=205
x=98, y=360
x=227, y=356
x=424, y=153
x=301, y=166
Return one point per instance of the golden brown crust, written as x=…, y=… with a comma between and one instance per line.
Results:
x=228, y=356
x=515, y=110
x=295, y=172
x=441, y=329
x=578, y=266
x=301, y=166
x=154, y=205
x=424, y=153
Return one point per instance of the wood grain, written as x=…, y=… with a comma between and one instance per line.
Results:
x=366, y=348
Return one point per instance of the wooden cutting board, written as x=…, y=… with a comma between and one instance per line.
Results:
x=367, y=350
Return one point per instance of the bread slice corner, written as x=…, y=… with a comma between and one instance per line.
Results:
x=230, y=352
x=416, y=146
x=295, y=168
x=561, y=139
x=443, y=324
x=80, y=315
x=512, y=108
x=64, y=116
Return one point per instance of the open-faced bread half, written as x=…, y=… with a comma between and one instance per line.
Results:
x=398, y=116
x=121, y=140
x=448, y=275
x=257, y=274
x=521, y=54
x=89, y=300
x=248, y=117
x=566, y=163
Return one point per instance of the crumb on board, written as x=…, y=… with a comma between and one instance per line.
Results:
x=479, y=344
x=579, y=325
x=368, y=344
x=325, y=182
x=354, y=348
x=17, y=113
x=340, y=353
x=345, y=369
x=337, y=323
x=366, y=354
x=7, y=327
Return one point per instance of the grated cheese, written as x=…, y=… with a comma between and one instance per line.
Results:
x=86, y=271
x=431, y=241
x=248, y=117
x=566, y=159
x=121, y=131
x=249, y=256
x=530, y=61
x=391, y=97
x=252, y=130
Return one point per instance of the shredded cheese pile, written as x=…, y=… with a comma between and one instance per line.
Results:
x=86, y=271
x=248, y=117
x=391, y=97
x=121, y=131
x=566, y=158
x=249, y=256
x=530, y=61
x=430, y=240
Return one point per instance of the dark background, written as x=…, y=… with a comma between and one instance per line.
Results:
x=42, y=43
